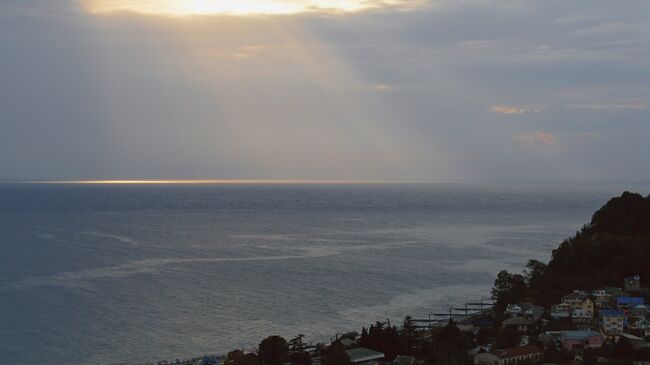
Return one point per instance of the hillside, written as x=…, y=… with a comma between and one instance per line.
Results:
x=614, y=245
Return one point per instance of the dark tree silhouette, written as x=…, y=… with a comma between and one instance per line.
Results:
x=273, y=350
x=335, y=355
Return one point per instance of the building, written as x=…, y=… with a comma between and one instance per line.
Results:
x=632, y=283
x=612, y=322
x=640, y=325
x=581, y=316
x=403, y=360
x=514, y=310
x=640, y=310
x=562, y=310
x=602, y=298
x=625, y=303
x=522, y=324
x=581, y=340
x=534, y=312
x=512, y=356
x=587, y=306
x=574, y=299
x=364, y=356
x=583, y=312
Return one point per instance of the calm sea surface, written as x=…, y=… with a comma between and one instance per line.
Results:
x=126, y=273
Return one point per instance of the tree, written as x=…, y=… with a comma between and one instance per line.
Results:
x=273, y=350
x=450, y=346
x=301, y=358
x=508, y=337
x=553, y=355
x=408, y=336
x=297, y=354
x=624, y=350
x=237, y=357
x=335, y=355
x=364, y=340
x=508, y=289
x=535, y=272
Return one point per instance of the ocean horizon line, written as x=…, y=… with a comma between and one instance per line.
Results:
x=212, y=181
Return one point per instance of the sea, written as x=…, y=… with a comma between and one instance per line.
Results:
x=131, y=273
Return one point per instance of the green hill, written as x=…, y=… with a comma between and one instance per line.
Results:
x=616, y=244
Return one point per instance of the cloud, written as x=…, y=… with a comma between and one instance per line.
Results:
x=610, y=106
x=239, y=7
x=383, y=87
x=512, y=109
x=306, y=95
x=544, y=138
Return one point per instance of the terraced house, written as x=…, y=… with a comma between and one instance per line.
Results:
x=531, y=354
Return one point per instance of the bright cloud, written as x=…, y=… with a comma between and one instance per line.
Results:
x=239, y=7
x=509, y=109
x=383, y=87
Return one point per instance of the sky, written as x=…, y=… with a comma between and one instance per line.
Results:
x=421, y=90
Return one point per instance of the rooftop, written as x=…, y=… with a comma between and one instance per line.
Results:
x=518, y=321
x=629, y=300
x=611, y=313
x=518, y=351
x=361, y=354
x=579, y=334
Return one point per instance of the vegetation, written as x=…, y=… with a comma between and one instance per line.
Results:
x=449, y=347
x=616, y=244
x=335, y=355
x=273, y=350
x=382, y=337
x=238, y=357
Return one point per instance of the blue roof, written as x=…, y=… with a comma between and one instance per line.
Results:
x=611, y=313
x=629, y=300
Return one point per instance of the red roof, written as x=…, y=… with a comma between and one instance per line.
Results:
x=519, y=351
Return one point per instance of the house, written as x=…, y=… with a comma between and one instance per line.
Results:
x=584, y=312
x=531, y=354
x=640, y=310
x=625, y=303
x=613, y=293
x=534, y=312
x=347, y=342
x=581, y=316
x=587, y=306
x=364, y=356
x=562, y=310
x=612, y=322
x=580, y=340
x=522, y=324
x=574, y=299
x=403, y=360
x=632, y=283
x=514, y=310
x=641, y=325
x=602, y=298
